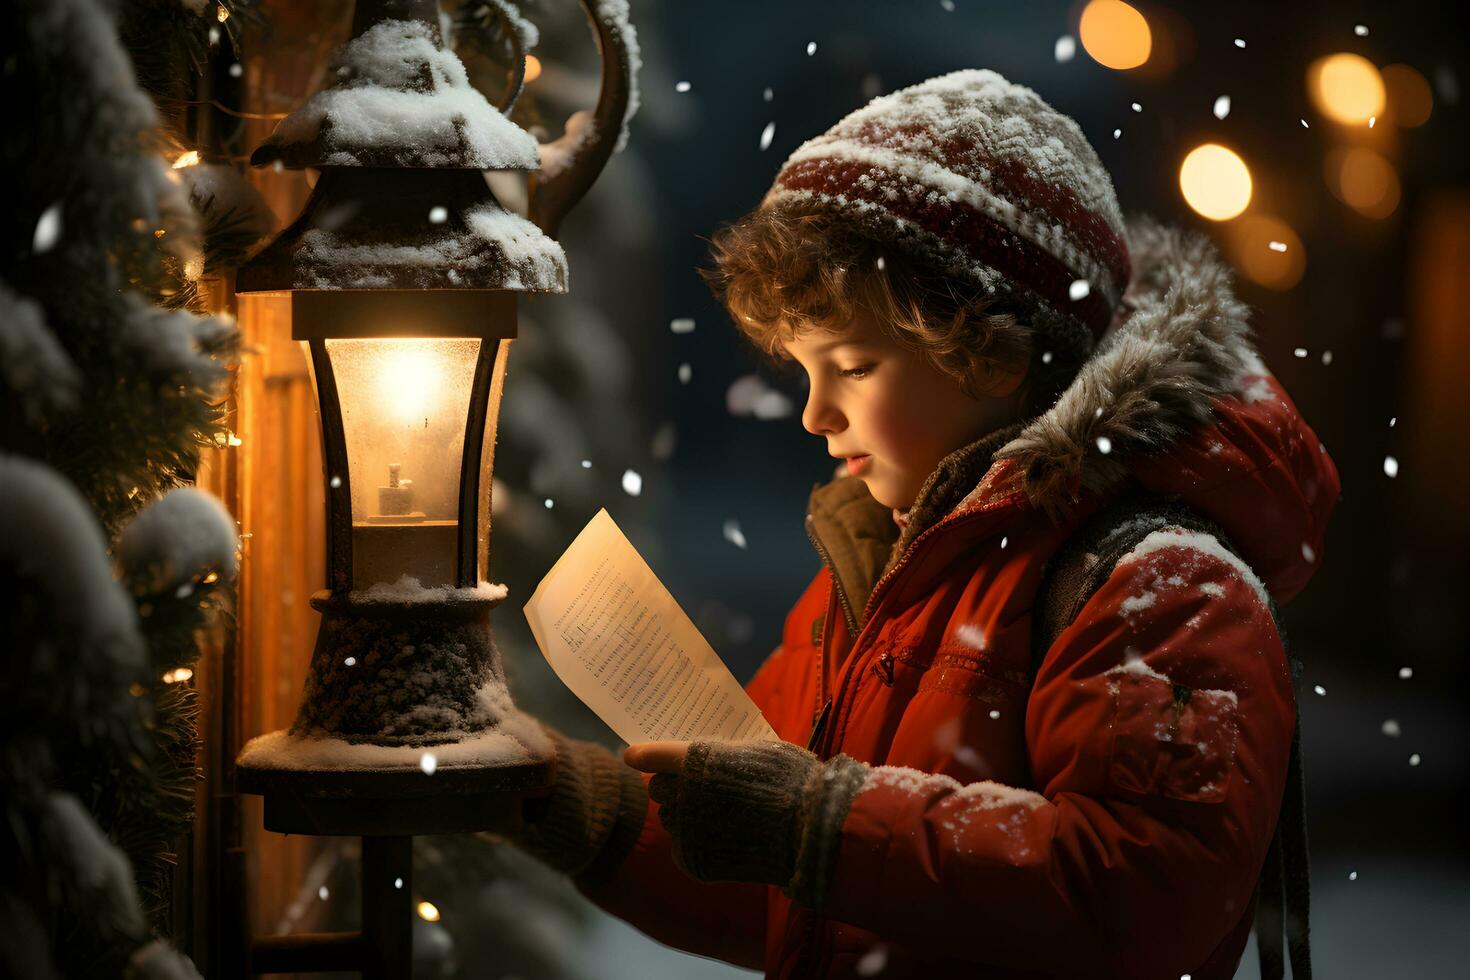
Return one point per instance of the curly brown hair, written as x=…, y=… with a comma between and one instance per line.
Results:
x=781, y=273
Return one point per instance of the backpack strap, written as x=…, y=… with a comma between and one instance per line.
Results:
x=1075, y=572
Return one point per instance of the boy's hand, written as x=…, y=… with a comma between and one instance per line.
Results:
x=665, y=756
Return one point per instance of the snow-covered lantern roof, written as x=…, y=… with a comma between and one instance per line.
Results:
x=401, y=278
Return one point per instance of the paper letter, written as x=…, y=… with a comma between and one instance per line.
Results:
x=619, y=641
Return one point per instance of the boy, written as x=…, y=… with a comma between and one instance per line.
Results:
x=948, y=266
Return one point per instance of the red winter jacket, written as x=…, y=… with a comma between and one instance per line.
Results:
x=1112, y=818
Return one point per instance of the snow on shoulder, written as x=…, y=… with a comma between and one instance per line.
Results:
x=1204, y=544
x=401, y=100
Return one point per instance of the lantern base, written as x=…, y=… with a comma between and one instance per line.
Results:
x=404, y=666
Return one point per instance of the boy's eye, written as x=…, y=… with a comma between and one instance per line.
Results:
x=862, y=371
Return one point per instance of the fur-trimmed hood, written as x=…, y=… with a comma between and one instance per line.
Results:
x=1174, y=400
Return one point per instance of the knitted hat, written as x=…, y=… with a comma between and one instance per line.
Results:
x=979, y=178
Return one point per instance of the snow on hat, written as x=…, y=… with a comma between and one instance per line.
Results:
x=980, y=178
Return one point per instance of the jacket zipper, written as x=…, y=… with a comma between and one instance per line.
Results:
x=847, y=613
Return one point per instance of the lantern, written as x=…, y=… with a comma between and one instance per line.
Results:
x=401, y=278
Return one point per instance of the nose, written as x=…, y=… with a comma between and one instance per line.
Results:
x=821, y=417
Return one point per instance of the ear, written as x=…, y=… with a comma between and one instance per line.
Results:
x=996, y=380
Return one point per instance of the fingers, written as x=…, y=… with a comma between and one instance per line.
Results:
x=657, y=756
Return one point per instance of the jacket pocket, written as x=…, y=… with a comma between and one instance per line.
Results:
x=1170, y=740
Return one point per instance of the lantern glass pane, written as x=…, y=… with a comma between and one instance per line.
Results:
x=404, y=404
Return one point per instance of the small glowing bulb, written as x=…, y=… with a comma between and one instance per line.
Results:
x=533, y=68
x=186, y=159
x=428, y=912
x=221, y=13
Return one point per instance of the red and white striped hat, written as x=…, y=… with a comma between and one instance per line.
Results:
x=980, y=179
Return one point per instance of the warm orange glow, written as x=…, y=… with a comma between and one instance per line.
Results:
x=221, y=13
x=186, y=159
x=1266, y=251
x=428, y=912
x=1363, y=180
x=1215, y=181
x=178, y=675
x=1410, y=99
x=1346, y=88
x=1115, y=34
x=533, y=68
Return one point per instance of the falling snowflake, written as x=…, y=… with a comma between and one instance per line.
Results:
x=1065, y=48
x=1104, y=445
x=335, y=482
x=236, y=70
x=1361, y=30
x=682, y=86
x=873, y=962
x=586, y=464
x=1277, y=246
x=1372, y=121
x=768, y=94
x=48, y=230
x=1391, y=728
x=995, y=713
x=1079, y=289
x=1414, y=759
x=428, y=763
x=685, y=373
x=398, y=883
x=549, y=503
x=350, y=661
x=322, y=893
x=947, y=6
x=1308, y=552
x=1004, y=541
x=1393, y=421
x=734, y=535
x=1405, y=673
x=1304, y=124
x=438, y=214
x=1321, y=691
x=1352, y=876
x=1046, y=357
x=768, y=134
x=811, y=48
x=632, y=483
x=682, y=324
x=1137, y=107
x=1326, y=357
x=1240, y=42
x=1390, y=467
x=1299, y=352
x=1222, y=107
x=1117, y=133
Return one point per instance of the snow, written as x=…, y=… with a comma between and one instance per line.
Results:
x=984, y=795
x=181, y=537
x=491, y=240
x=734, y=535
x=1137, y=603
x=632, y=483
x=1214, y=589
x=400, y=98
x=408, y=589
x=526, y=33
x=172, y=344
x=682, y=324
x=1222, y=107
x=517, y=738
x=614, y=13
x=1204, y=544
x=97, y=866
x=1137, y=667
x=1391, y=728
x=1390, y=467
x=33, y=364
x=1065, y=48
x=749, y=394
x=48, y=230
x=49, y=536
x=972, y=635
x=768, y=134
x=1405, y=673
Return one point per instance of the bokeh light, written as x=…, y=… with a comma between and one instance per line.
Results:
x=1215, y=181
x=1346, y=88
x=1115, y=34
x=1362, y=179
x=1266, y=251
x=1410, y=99
x=533, y=68
x=428, y=911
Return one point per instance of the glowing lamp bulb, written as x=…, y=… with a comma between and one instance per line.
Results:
x=1115, y=34
x=1346, y=88
x=1215, y=181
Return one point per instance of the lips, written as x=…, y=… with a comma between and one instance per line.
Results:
x=856, y=464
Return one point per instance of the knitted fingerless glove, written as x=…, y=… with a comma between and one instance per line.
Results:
x=760, y=811
x=589, y=823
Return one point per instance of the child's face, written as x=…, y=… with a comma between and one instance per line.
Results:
x=887, y=409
